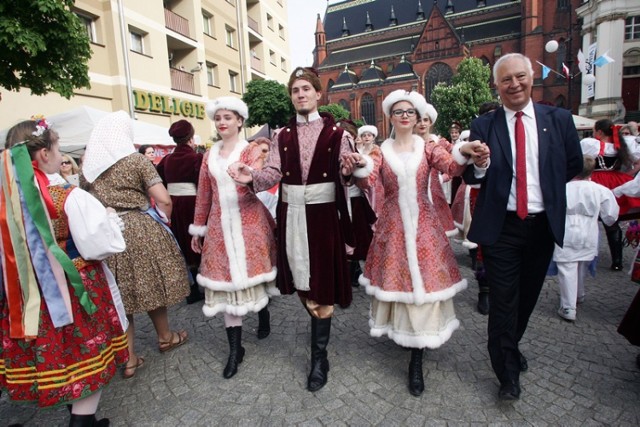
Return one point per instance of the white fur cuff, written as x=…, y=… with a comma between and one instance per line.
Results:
x=460, y=158
x=366, y=170
x=198, y=230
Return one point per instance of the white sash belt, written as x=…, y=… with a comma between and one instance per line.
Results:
x=297, y=196
x=181, y=189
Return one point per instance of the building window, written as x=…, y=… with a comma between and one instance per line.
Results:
x=90, y=26
x=632, y=28
x=207, y=23
x=272, y=57
x=283, y=64
x=440, y=72
x=212, y=74
x=344, y=103
x=233, y=81
x=231, y=36
x=281, y=31
x=270, y=22
x=564, y=4
x=137, y=40
x=368, y=109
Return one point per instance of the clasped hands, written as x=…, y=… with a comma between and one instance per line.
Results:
x=350, y=162
x=478, y=152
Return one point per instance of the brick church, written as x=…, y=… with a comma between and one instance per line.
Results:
x=365, y=49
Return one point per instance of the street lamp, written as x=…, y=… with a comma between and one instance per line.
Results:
x=551, y=47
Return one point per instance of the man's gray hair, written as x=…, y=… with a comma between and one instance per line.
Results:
x=508, y=56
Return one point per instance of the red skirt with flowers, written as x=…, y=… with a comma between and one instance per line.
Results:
x=612, y=179
x=67, y=363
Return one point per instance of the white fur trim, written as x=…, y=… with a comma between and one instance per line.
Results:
x=412, y=297
x=366, y=170
x=198, y=230
x=227, y=103
x=451, y=233
x=465, y=134
x=457, y=155
x=235, y=310
x=218, y=285
x=416, y=341
x=414, y=98
x=368, y=128
x=469, y=244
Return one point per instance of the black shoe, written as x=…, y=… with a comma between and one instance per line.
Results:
x=416, y=380
x=87, y=421
x=616, y=267
x=320, y=331
x=264, y=325
x=483, y=303
x=524, y=365
x=236, y=351
x=195, y=295
x=509, y=390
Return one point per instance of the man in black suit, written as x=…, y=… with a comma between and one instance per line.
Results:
x=517, y=229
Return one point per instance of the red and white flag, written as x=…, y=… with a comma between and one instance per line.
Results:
x=565, y=70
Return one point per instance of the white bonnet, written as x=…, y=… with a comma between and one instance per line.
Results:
x=227, y=103
x=414, y=98
x=590, y=147
x=368, y=128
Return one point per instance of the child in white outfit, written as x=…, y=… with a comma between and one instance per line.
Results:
x=586, y=200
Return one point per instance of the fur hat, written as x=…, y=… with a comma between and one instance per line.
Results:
x=465, y=134
x=414, y=98
x=227, y=103
x=590, y=147
x=181, y=131
x=368, y=128
x=305, y=73
x=456, y=125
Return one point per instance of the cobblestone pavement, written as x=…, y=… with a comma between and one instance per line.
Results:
x=580, y=373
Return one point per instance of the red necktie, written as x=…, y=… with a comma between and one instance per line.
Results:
x=521, y=168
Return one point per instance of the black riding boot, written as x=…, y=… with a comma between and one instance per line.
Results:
x=320, y=331
x=236, y=351
x=196, y=294
x=264, y=327
x=87, y=421
x=473, y=254
x=416, y=381
x=614, y=238
x=356, y=271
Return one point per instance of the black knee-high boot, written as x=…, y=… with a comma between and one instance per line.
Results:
x=416, y=381
x=196, y=294
x=320, y=331
x=614, y=238
x=87, y=421
x=264, y=325
x=236, y=351
x=355, y=271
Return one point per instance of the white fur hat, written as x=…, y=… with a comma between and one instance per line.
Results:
x=590, y=147
x=414, y=98
x=368, y=128
x=227, y=103
x=465, y=134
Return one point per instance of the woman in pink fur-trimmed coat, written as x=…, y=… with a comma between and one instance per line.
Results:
x=411, y=271
x=238, y=266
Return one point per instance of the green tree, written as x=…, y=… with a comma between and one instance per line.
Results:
x=460, y=101
x=268, y=103
x=45, y=47
x=336, y=110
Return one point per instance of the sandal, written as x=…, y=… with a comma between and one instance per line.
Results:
x=132, y=368
x=165, y=346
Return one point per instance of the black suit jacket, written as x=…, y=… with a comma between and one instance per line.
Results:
x=560, y=159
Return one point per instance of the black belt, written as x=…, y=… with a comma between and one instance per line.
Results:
x=529, y=216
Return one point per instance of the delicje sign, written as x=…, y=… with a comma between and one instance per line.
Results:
x=149, y=101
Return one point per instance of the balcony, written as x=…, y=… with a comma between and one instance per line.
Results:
x=256, y=64
x=253, y=24
x=182, y=81
x=177, y=23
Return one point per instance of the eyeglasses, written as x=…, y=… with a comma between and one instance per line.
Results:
x=399, y=113
x=66, y=162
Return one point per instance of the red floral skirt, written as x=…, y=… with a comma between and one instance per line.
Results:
x=67, y=363
x=613, y=179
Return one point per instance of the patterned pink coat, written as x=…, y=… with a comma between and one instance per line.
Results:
x=410, y=259
x=239, y=248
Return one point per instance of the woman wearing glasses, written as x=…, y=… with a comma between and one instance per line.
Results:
x=69, y=169
x=411, y=270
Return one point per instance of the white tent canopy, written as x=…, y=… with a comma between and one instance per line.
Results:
x=74, y=128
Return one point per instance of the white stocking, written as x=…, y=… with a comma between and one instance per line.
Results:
x=88, y=405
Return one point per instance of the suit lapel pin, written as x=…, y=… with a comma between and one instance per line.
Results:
x=544, y=129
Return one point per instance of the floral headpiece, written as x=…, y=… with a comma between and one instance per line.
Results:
x=41, y=124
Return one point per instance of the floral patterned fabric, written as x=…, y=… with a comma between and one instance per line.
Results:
x=72, y=362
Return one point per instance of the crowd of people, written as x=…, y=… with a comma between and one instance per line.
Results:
x=316, y=211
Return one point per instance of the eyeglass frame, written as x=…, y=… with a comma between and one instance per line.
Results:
x=410, y=112
x=65, y=162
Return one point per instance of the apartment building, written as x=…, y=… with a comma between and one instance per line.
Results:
x=163, y=60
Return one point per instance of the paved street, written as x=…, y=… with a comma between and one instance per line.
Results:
x=580, y=373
